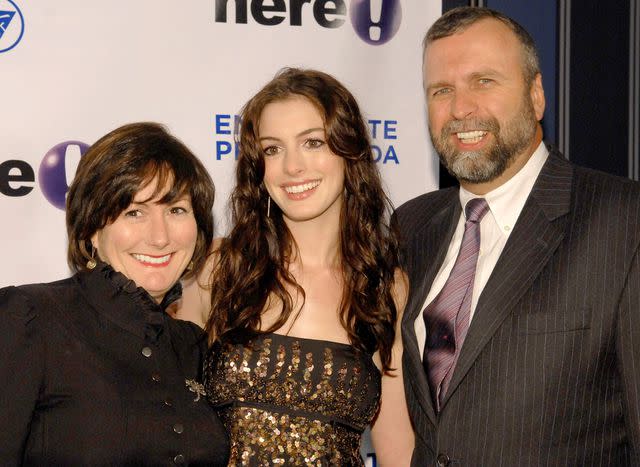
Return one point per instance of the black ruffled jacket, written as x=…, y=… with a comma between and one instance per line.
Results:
x=93, y=372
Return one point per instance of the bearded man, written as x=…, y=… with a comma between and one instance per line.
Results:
x=522, y=327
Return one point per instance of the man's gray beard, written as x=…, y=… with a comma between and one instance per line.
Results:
x=469, y=166
x=488, y=164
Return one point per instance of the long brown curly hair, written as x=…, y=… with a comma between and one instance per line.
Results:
x=252, y=262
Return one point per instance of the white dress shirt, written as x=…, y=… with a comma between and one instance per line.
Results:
x=505, y=204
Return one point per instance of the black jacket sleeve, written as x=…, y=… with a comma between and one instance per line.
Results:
x=21, y=370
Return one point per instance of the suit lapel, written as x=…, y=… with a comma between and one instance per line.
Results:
x=429, y=247
x=537, y=234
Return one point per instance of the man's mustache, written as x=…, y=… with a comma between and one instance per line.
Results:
x=457, y=126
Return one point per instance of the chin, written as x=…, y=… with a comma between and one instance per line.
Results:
x=476, y=170
x=299, y=218
x=299, y=215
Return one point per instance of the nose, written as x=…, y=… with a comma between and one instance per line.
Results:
x=294, y=163
x=158, y=235
x=463, y=104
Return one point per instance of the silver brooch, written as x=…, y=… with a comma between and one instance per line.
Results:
x=196, y=388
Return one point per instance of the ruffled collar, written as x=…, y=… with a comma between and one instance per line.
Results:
x=121, y=301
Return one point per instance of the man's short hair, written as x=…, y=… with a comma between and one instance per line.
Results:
x=459, y=19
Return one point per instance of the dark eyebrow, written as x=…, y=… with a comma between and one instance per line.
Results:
x=302, y=133
x=310, y=130
x=146, y=202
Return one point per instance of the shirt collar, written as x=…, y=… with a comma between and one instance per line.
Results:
x=121, y=301
x=507, y=200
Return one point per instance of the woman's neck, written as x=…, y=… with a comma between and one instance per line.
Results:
x=317, y=242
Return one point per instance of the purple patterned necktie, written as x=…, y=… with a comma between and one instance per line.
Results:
x=447, y=316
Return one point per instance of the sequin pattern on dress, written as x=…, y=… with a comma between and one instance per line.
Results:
x=293, y=401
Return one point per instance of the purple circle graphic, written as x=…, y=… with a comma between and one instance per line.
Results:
x=52, y=174
x=376, y=21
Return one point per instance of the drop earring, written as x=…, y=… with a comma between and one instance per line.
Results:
x=91, y=264
x=268, y=206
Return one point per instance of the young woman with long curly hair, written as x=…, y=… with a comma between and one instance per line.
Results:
x=305, y=292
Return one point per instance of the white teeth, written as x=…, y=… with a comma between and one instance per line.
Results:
x=301, y=188
x=151, y=259
x=471, y=137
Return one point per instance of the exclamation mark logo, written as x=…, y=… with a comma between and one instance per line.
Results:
x=57, y=170
x=375, y=12
x=375, y=21
x=72, y=156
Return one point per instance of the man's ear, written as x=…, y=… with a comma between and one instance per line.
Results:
x=537, y=96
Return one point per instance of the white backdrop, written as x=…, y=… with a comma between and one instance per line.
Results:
x=72, y=70
x=82, y=68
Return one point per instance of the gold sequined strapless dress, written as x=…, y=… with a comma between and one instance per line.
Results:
x=293, y=401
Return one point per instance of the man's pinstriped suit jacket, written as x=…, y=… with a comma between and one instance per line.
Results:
x=549, y=373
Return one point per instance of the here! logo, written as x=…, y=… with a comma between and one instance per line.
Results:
x=374, y=21
x=11, y=25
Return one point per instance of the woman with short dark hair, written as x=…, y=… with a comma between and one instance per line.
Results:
x=93, y=371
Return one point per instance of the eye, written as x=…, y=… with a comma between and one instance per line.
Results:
x=314, y=143
x=133, y=213
x=178, y=210
x=485, y=81
x=441, y=92
x=270, y=150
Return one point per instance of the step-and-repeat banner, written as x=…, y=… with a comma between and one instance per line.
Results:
x=72, y=70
